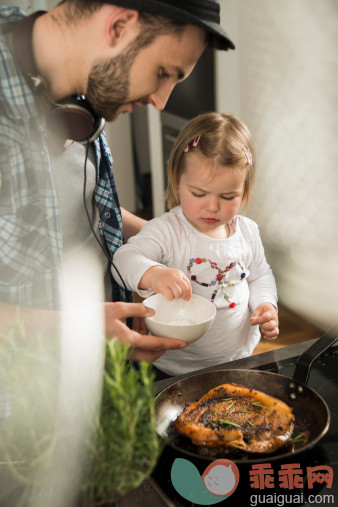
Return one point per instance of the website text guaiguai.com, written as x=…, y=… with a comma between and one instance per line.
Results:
x=280, y=500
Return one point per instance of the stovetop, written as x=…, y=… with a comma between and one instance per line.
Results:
x=324, y=380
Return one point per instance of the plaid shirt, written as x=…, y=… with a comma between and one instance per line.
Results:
x=31, y=240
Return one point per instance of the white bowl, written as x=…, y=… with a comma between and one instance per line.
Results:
x=184, y=320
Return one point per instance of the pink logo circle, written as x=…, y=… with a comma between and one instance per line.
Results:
x=221, y=477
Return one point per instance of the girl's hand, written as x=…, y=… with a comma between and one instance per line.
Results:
x=171, y=283
x=266, y=317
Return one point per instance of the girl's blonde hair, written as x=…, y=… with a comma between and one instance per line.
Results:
x=225, y=141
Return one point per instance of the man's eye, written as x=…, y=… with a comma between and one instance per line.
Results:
x=197, y=195
x=164, y=74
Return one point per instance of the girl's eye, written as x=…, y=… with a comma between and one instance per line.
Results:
x=163, y=74
x=197, y=195
x=228, y=198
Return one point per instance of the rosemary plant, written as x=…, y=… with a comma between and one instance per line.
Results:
x=127, y=446
x=119, y=454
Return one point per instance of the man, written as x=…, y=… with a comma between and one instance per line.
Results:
x=117, y=57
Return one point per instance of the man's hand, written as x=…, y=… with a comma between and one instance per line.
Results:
x=266, y=317
x=145, y=347
x=171, y=283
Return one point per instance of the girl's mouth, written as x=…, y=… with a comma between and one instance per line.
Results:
x=210, y=220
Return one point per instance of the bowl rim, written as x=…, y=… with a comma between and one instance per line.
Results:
x=181, y=325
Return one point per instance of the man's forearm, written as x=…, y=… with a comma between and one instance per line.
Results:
x=131, y=224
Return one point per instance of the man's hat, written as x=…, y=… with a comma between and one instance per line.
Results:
x=202, y=13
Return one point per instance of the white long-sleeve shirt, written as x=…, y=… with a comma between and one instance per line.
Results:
x=172, y=241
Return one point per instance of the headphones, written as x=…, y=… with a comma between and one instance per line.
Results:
x=70, y=118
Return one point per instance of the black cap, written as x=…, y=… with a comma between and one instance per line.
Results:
x=202, y=13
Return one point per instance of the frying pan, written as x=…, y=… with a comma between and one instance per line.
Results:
x=309, y=408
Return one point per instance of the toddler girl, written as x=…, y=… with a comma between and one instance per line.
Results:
x=202, y=246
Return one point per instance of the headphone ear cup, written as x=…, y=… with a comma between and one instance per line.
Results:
x=73, y=118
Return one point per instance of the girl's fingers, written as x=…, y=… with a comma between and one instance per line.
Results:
x=167, y=293
x=265, y=317
x=187, y=291
x=181, y=290
x=177, y=291
x=271, y=335
x=269, y=326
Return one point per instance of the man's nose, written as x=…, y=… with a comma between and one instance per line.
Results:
x=160, y=97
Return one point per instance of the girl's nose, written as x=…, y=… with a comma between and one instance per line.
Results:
x=212, y=204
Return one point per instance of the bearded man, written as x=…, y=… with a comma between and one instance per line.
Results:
x=116, y=54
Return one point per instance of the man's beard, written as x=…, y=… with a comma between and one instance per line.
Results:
x=108, y=85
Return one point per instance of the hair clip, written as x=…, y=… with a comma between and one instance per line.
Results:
x=195, y=143
x=248, y=155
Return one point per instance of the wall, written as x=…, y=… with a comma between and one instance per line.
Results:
x=285, y=88
x=227, y=75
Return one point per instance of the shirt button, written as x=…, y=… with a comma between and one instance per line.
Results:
x=48, y=217
x=107, y=214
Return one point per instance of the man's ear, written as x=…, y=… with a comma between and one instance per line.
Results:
x=122, y=26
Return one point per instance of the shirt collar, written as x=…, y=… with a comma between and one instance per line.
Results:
x=15, y=95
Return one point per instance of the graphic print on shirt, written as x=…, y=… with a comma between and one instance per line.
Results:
x=221, y=281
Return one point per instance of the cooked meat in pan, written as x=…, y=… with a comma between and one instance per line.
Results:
x=232, y=415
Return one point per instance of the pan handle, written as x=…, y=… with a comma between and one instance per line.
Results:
x=306, y=360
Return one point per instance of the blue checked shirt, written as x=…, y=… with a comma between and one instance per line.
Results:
x=31, y=240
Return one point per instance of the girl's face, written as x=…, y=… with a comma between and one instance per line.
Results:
x=210, y=197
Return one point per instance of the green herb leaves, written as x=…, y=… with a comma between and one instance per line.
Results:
x=257, y=404
x=227, y=422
